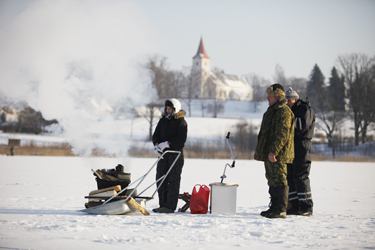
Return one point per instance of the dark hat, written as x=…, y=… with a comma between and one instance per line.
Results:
x=168, y=103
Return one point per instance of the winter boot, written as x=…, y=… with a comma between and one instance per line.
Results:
x=271, y=205
x=164, y=210
x=292, y=211
x=292, y=208
x=281, y=201
x=305, y=213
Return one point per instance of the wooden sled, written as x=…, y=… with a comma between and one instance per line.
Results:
x=118, y=204
x=185, y=197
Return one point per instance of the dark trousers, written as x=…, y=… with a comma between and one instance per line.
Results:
x=170, y=188
x=298, y=177
x=299, y=186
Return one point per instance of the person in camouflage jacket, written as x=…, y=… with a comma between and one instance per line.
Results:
x=276, y=148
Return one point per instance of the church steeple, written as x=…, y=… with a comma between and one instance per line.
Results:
x=201, y=53
x=200, y=71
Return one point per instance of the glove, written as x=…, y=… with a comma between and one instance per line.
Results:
x=157, y=150
x=163, y=145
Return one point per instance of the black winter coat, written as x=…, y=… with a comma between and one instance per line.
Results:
x=173, y=130
x=303, y=133
x=305, y=120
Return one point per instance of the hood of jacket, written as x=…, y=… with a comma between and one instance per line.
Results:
x=179, y=115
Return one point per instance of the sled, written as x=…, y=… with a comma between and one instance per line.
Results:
x=131, y=203
x=185, y=197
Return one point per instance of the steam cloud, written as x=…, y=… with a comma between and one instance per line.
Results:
x=75, y=61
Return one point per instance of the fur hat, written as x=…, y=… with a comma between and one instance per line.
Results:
x=291, y=94
x=277, y=91
x=278, y=86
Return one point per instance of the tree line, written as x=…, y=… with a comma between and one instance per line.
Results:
x=347, y=95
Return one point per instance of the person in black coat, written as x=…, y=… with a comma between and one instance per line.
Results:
x=300, y=197
x=170, y=134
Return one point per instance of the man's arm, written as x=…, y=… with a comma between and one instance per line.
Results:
x=284, y=121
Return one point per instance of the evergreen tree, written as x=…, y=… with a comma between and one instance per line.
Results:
x=316, y=89
x=336, y=92
x=3, y=117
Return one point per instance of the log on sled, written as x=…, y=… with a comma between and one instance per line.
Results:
x=126, y=201
x=121, y=206
x=99, y=197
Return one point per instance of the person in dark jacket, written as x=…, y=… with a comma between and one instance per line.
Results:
x=170, y=134
x=300, y=198
x=276, y=148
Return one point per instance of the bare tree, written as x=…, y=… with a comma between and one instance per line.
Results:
x=203, y=103
x=259, y=85
x=150, y=113
x=369, y=100
x=216, y=106
x=330, y=122
x=179, y=84
x=279, y=76
x=299, y=85
x=244, y=137
x=189, y=85
x=161, y=78
x=358, y=70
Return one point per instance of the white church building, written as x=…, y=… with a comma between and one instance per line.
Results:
x=211, y=85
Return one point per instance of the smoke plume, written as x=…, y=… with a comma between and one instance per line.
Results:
x=77, y=62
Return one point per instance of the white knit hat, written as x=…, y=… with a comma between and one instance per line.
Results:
x=291, y=94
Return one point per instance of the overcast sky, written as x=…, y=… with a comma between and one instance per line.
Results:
x=240, y=36
x=248, y=36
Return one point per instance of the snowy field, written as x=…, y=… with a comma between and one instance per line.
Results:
x=41, y=196
x=121, y=134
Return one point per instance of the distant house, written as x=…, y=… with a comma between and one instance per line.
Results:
x=25, y=121
x=211, y=85
x=9, y=115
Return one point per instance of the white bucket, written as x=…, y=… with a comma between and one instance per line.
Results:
x=223, y=198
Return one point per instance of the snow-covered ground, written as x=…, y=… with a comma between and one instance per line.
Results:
x=41, y=195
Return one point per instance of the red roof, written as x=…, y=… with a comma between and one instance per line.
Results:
x=201, y=51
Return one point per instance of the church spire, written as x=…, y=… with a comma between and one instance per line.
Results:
x=201, y=53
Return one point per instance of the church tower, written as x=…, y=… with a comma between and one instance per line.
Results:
x=200, y=71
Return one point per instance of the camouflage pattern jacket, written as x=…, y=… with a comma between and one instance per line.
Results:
x=276, y=134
